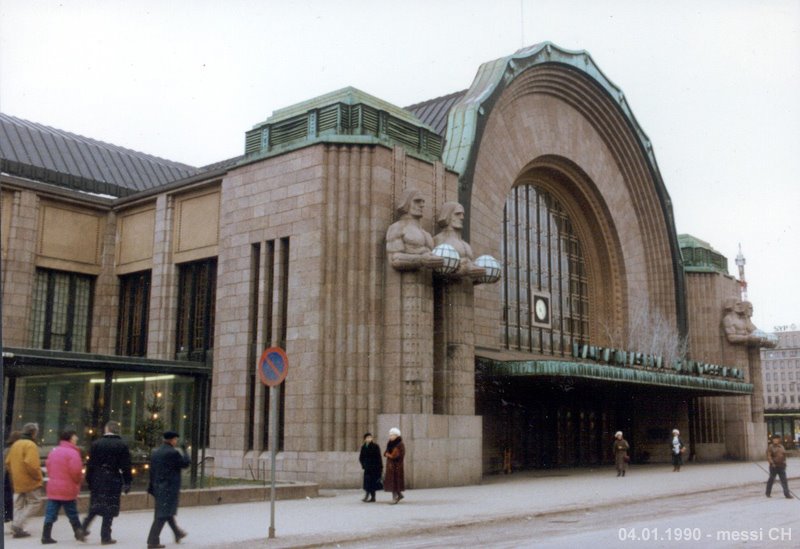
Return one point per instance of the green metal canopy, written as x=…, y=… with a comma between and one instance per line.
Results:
x=562, y=368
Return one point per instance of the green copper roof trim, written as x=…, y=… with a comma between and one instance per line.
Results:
x=467, y=120
x=348, y=96
x=700, y=257
x=689, y=241
x=331, y=140
x=462, y=125
x=610, y=373
x=338, y=117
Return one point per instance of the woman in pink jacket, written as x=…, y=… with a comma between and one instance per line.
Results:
x=64, y=477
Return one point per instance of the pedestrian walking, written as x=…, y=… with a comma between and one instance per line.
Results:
x=8, y=490
x=621, y=458
x=25, y=469
x=677, y=449
x=394, y=481
x=64, y=478
x=165, y=486
x=372, y=463
x=108, y=474
x=776, y=456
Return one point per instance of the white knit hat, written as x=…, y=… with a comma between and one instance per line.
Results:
x=618, y=434
x=394, y=431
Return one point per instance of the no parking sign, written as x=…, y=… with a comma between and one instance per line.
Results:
x=272, y=369
x=273, y=366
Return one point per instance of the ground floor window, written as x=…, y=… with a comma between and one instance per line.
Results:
x=787, y=427
x=145, y=404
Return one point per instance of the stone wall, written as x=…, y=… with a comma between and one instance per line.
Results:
x=742, y=420
x=441, y=450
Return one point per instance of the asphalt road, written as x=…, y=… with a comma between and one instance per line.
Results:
x=741, y=517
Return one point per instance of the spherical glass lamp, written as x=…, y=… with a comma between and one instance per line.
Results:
x=492, y=268
x=450, y=256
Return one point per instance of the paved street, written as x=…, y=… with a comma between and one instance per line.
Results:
x=564, y=508
x=718, y=519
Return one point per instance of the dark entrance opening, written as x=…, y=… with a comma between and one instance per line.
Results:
x=546, y=423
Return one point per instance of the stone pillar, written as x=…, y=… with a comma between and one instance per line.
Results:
x=19, y=267
x=454, y=371
x=408, y=366
x=106, y=294
x=163, y=305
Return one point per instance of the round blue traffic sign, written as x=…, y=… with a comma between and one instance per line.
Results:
x=273, y=366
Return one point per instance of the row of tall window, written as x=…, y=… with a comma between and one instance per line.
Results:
x=785, y=354
x=781, y=399
x=62, y=305
x=542, y=253
x=781, y=387
x=783, y=376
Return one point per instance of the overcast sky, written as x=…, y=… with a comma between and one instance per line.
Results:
x=715, y=84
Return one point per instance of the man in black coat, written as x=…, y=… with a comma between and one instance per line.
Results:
x=372, y=463
x=165, y=486
x=108, y=473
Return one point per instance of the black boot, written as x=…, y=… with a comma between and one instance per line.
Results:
x=623, y=472
x=371, y=497
x=105, y=532
x=85, y=524
x=47, y=532
x=80, y=535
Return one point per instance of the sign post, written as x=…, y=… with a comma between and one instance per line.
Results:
x=272, y=369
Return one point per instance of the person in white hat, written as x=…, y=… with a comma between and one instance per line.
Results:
x=394, y=480
x=677, y=451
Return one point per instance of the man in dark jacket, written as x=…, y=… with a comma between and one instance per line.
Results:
x=165, y=486
x=108, y=473
x=371, y=462
x=776, y=456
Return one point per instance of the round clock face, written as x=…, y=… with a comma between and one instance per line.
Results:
x=541, y=309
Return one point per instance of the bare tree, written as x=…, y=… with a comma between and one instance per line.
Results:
x=649, y=332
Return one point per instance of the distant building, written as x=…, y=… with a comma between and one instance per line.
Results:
x=781, y=371
x=144, y=290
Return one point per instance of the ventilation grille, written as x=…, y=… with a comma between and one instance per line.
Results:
x=343, y=119
x=701, y=257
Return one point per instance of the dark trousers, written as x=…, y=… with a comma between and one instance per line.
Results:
x=70, y=508
x=8, y=499
x=105, y=528
x=158, y=524
x=781, y=472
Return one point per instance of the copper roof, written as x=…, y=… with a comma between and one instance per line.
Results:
x=434, y=112
x=35, y=151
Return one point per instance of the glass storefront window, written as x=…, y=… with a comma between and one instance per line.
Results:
x=145, y=404
x=58, y=401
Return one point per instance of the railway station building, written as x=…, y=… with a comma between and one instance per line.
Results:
x=145, y=290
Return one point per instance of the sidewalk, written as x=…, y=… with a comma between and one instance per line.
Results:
x=339, y=515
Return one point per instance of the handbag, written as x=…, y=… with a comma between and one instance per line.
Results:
x=626, y=458
x=379, y=484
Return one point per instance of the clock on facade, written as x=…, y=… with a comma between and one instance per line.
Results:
x=541, y=310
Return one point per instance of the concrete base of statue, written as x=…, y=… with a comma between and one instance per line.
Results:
x=441, y=450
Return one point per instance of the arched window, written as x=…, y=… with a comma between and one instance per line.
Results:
x=542, y=257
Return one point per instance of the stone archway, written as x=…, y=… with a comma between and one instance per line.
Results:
x=554, y=125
